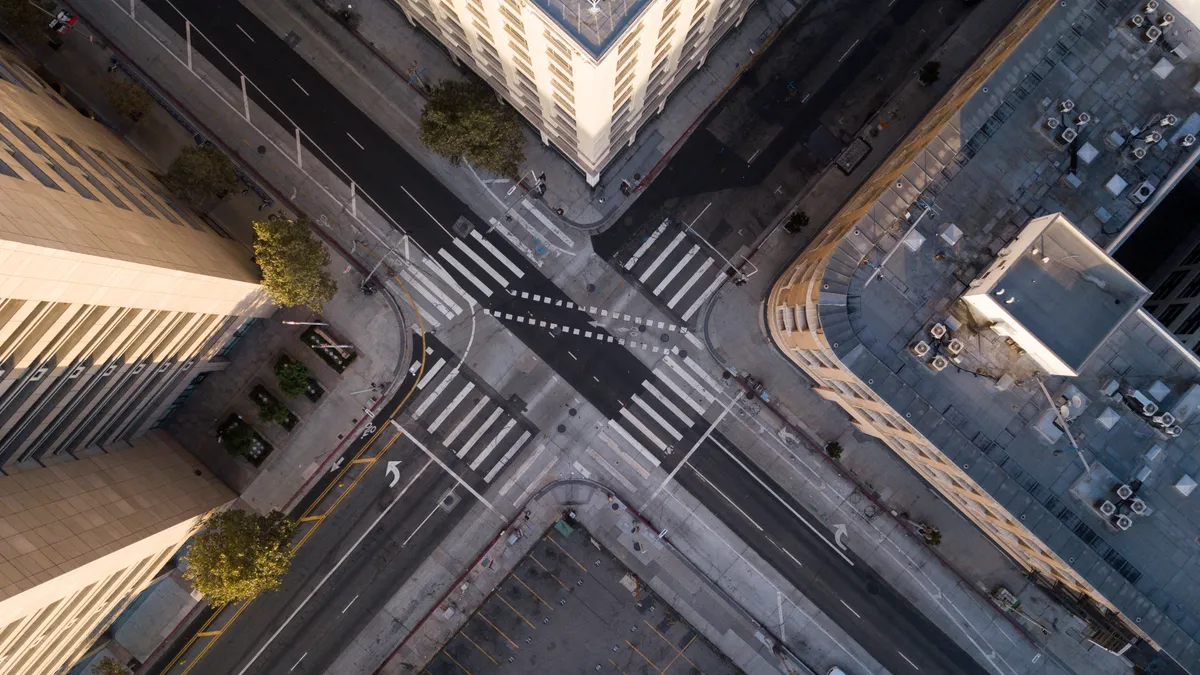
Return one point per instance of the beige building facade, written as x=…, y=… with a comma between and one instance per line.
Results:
x=587, y=74
x=114, y=295
x=80, y=540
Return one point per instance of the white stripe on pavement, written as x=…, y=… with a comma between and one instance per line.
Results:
x=705, y=376
x=434, y=394
x=640, y=448
x=465, y=272
x=520, y=472
x=690, y=282
x=427, y=287
x=683, y=375
x=615, y=474
x=487, y=449
x=704, y=296
x=482, y=263
x=643, y=428
x=668, y=403
x=549, y=225
x=629, y=461
x=507, y=456
x=629, y=264
x=516, y=243
x=429, y=375
x=661, y=257
x=657, y=418
x=445, y=276
x=662, y=377
x=662, y=286
x=466, y=448
x=496, y=252
x=462, y=425
x=437, y=422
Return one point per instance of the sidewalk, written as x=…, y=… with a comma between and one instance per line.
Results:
x=384, y=66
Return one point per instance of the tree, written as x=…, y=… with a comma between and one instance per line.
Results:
x=129, y=98
x=201, y=173
x=109, y=666
x=292, y=261
x=796, y=222
x=929, y=73
x=834, y=449
x=27, y=20
x=293, y=378
x=931, y=534
x=464, y=120
x=274, y=411
x=240, y=555
x=239, y=438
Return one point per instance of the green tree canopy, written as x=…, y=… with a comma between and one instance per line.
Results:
x=464, y=120
x=130, y=99
x=930, y=72
x=201, y=173
x=293, y=378
x=274, y=411
x=292, y=261
x=109, y=666
x=238, y=438
x=240, y=555
x=796, y=222
x=27, y=20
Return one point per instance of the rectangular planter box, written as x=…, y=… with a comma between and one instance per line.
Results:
x=338, y=359
x=261, y=397
x=315, y=390
x=259, y=448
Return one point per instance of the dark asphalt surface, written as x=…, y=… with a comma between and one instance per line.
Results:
x=381, y=167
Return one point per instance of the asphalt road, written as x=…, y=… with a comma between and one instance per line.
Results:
x=606, y=375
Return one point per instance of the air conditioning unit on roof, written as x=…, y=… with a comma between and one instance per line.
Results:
x=955, y=346
x=1137, y=506
x=1137, y=21
x=1122, y=522
x=1124, y=491
x=1068, y=135
x=938, y=331
x=1151, y=34
x=1137, y=153
x=1142, y=192
x=939, y=363
x=1066, y=106
x=1106, y=507
x=1166, y=20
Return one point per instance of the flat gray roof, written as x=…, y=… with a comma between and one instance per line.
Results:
x=990, y=171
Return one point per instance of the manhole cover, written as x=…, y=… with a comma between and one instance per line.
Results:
x=562, y=428
x=591, y=288
x=683, y=353
x=641, y=328
x=726, y=375
x=572, y=412
x=664, y=337
x=262, y=149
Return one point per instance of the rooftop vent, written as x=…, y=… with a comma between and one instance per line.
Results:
x=1083, y=118
x=955, y=347
x=1168, y=120
x=1066, y=106
x=1173, y=431
x=1106, y=507
x=919, y=348
x=1052, y=123
x=1142, y=192
x=1137, y=153
x=1121, y=522
x=1152, y=137
x=1166, y=20
x=939, y=363
x=1185, y=485
x=1124, y=491
x=938, y=331
x=1068, y=135
x=1164, y=420
x=1151, y=34
x=1137, y=21
x=1138, y=506
x=1151, y=6
x=1188, y=140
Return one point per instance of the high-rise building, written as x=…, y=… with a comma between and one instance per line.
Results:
x=114, y=295
x=587, y=73
x=80, y=540
x=963, y=308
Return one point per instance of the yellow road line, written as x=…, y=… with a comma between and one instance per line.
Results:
x=678, y=651
x=476, y=645
x=547, y=570
x=581, y=565
x=209, y=633
x=311, y=519
x=639, y=653
x=532, y=591
x=514, y=609
x=497, y=629
x=614, y=665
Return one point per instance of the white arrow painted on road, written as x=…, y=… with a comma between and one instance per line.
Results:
x=337, y=465
x=393, y=470
x=839, y=531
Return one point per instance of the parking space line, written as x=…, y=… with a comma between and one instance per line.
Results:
x=581, y=565
x=533, y=592
x=496, y=628
x=547, y=570
x=476, y=645
x=514, y=609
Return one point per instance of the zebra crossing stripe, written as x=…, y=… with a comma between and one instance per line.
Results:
x=483, y=265
x=662, y=377
x=630, y=439
x=657, y=418
x=434, y=394
x=431, y=374
x=629, y=264
x=549, y=225
x=687, y=259
x=447, y=309
x=491, y=248
x=516, y=243
x=687, y=286
x=703, y=296
x=465, y=272
x=462, y=425
x=437, y=422
x=466, y=448
x=691, y=363
x=659, y=260
x=487, y=449
x=683, y=375
x=668, y=404
x=445, y=276
x=507, y=457
x=643, y=428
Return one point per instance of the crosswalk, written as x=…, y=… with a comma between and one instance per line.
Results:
x=468, y=422
x=661, y=418
x=678, y=268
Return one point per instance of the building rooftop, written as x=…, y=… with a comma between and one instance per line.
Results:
x=995, y=168
x=594, y=24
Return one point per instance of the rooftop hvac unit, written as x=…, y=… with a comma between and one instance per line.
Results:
x=1137, y=506
x=1152, y=138
x=1164, y=420
x=955, y=347
x=1188, y=140
x=1168, y=120
x=1166, y=20
x=939, y=363
x=1173, y=431
x=1137, y=21
x=1151, y=6
x=938, y=331
x=1138, y=153
x=1052, y=123
x=1066, y=106
x=1142, y=192
x=1122, y=522
x=1083, y=118
x=1151, y=34
x=1149, y=408
x=1106, y=507
x=1124, y=491
x=1068, y=135
x=919, y=348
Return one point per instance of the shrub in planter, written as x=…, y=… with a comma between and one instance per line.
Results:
x=293, y=378
x=834, y=449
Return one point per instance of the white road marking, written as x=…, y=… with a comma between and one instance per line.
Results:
x=657, y=418
x=507, y=456
x=434, y=394
x=549, y=225
x=487, y=449
x=630, y=439
x=491, y=248
x=252, y=40
x=703, y=296
x=516, y=243
x=445, y=276
x=534, y=484
x=482, y=263
x=416, y=365
x=662, y=376
x=521, y=471
x=305, y=653
x=839, y=61
x=907, y=659
x=707, y=432
x=421, y=524
x=679, y=267
x=616, y=474
x=726, y=497
x=572, y=356
x=425, y=286
x=855, y=613
x=643, y=428
x=431, y=373
x=691, y=363
x=437, y=422
x=629, y=264
x=687, y=286
x=621, y=453
x=789, y=553
x=435, y=220
x=694, y=340
x=487, y=424
x=462, y=425
x=335, y=568
x=360, y=145
x=301, y=88
x=349, y=603
x=659, y=260
x=465, y=272
x=683, y=375
x=457, y=478
x=668, y=403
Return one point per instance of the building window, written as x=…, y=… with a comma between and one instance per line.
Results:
x=1190, y=324
x=179, y=401
x=1193, y=257
x=237, y=336
x=1192, y=288
x=1171, y=313
x=1170, y=284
